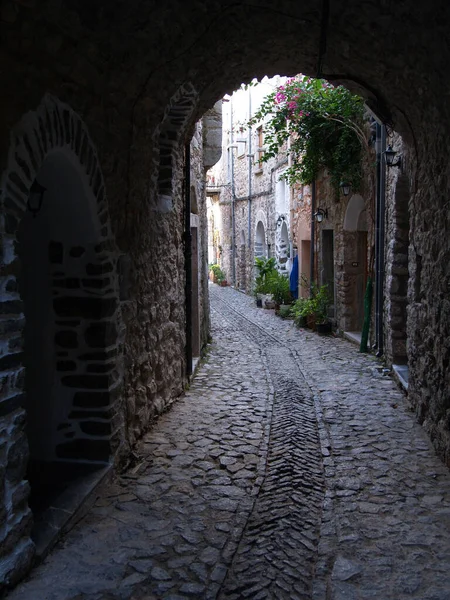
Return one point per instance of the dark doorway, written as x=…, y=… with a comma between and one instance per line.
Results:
x=70, y=336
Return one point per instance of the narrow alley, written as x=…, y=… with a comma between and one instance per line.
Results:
x=292, y=468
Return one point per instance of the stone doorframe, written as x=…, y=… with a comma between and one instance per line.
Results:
x=55, y=127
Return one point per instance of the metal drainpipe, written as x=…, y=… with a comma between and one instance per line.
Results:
x=380, y=345
x=250, y=157
x=313, y=210
x=188, y=258
x=233, y=198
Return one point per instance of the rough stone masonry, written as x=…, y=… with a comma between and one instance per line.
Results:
x=112, y=93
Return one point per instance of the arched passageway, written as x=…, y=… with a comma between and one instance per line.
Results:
x=124, y=88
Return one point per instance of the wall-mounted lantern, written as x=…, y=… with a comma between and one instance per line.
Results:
x=280, y=220
x=389, y=156
x=321, y=214
x=345, y=187
x=35, y=197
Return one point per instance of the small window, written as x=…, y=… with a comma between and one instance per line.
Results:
x=241, y=148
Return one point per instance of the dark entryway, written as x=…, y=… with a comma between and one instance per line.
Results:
x=70, y=337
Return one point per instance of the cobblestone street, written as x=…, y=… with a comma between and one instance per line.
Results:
x=291, y=469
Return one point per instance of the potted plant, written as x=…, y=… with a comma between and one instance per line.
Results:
x=265, y=271
x=217, y=275
x=313, y=311
x=299, y=310
x=279, y=288
x=285, y=311
x=322, y=301
x=214, y=272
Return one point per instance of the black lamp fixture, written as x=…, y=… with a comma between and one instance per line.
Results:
x=280, y=220
x=35, y=197
x=389, y=155
x=321, y=214
x=345, y=187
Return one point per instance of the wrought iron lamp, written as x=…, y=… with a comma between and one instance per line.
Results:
x=321, y=214
x=389, y=155
x=345, y=187
x=35, y=197
x=280, y=220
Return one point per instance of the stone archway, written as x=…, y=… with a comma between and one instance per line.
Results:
x=63, y=300
x=171, y=132
x=260, y=240
x=283, y=249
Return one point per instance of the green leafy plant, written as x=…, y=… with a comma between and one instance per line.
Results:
x=285, y=312
x=266, y=270
x=218, y=274
x=302, y=308
x=325, y=127
x=315, y=306
x=322, y=299
x=279, y=288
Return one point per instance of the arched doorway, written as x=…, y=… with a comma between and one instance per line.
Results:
x=355, y=233
x=65, y=393
x=260, y=241
x=60, y=284
x=283, y=249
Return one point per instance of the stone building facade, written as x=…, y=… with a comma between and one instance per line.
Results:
x=105, y=97
x=249, y=201
x=69, y=324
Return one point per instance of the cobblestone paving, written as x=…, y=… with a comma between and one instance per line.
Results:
x=292, y=469
x=279, y=545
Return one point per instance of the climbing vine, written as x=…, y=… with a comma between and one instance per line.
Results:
x=324, y=124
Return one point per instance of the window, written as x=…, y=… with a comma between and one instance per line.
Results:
x=241, y=147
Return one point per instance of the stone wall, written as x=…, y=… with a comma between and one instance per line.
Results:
x=262, y=206
x=396, y=260
x=94, y=411
x=343, y=247
x=138, y=85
